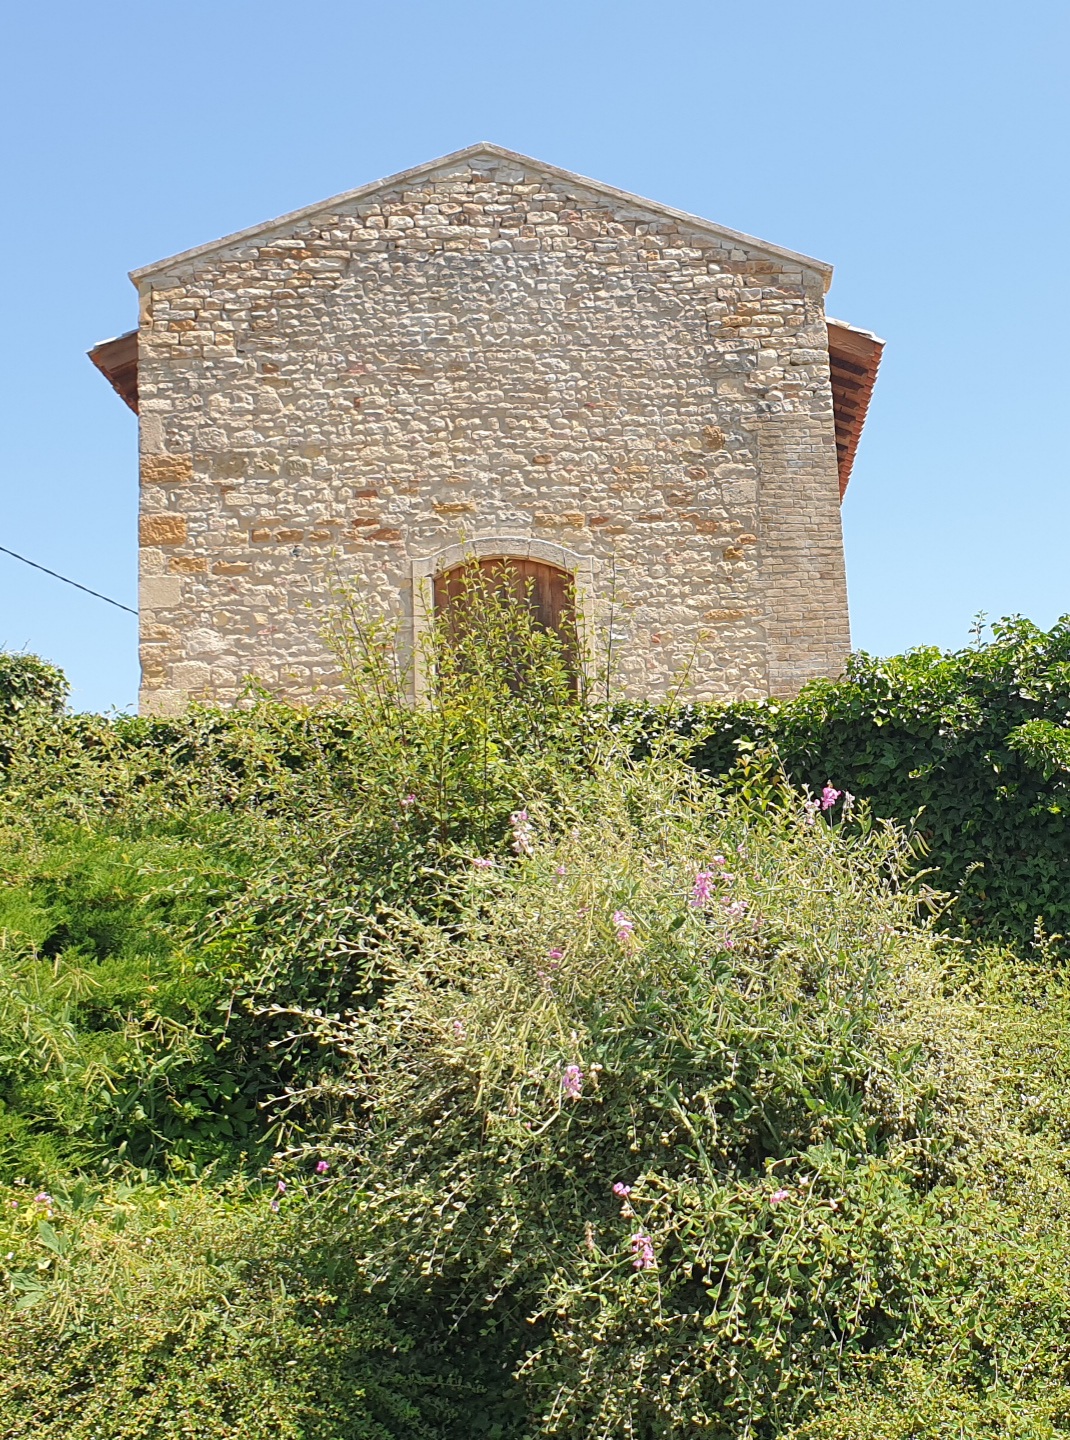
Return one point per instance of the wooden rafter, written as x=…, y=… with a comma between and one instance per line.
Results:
x=117, y=362
x=854, y=356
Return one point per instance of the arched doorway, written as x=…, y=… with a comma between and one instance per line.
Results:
x=482, y=631
x=561, y=581
x=548, y=590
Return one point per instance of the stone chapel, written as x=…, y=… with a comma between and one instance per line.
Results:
x=487, y=356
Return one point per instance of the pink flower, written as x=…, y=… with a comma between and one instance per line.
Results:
x=555, y=954
x=459, y=1032
x=625, y=927
x=700, y=891
x=482, y=863
x=322, y=1166
x=408, y=801
x=622, y=1190
x=281, y=1187
x=561, y=870
x=43, y=1198
x=829, y=796
x=642, y=1251
x=777, y=1196
x=810, y=809
x=572, y=1082
x=735, y=909
x=275, y=1205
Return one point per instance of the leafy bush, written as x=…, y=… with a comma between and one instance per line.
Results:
x=994, y=1358
x=143, y=1313
x=108, y=1028
x=975, y=744
x=681, y=1106
x=27, y=681
x=171, y=887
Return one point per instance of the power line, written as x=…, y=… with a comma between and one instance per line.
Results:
x=56, y=576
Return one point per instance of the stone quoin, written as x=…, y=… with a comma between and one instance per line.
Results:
x=489, y=356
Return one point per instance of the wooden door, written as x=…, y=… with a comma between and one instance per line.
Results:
x=548, y=590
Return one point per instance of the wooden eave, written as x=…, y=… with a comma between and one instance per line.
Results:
x=117, y=362
x=854, y=356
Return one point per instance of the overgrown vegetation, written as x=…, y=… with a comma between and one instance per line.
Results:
x=974, y=744
x=488, y=1069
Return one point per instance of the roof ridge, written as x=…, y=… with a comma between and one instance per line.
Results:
x=472, y=152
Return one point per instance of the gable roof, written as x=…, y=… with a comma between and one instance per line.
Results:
x=473, y=154
x=854, y=355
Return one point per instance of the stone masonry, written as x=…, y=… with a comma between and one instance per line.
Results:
x=490, y=355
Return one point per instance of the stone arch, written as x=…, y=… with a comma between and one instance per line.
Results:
x=580, y=568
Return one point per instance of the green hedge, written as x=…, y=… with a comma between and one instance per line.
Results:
x=975, y=744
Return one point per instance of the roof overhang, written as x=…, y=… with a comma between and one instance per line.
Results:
x=854, y=356
x=117, y=362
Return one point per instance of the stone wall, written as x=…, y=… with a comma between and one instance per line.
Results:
x=489, y=351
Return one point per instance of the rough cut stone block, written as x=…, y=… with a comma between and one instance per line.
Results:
x=166, y=469
x=160, y=592
x=162, y=529
x=191, y=675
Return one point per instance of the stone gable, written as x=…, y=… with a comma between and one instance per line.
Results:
x=489, y=355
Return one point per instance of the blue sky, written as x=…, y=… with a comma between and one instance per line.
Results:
x=919, y=147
